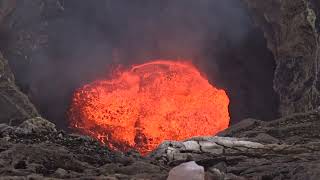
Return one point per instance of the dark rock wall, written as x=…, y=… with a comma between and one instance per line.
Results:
x=246, y=72
x=290, y=29
x=15, y=107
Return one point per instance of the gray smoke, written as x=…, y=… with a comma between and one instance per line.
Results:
x=86, y=39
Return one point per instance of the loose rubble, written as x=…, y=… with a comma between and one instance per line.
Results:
x=35, y=149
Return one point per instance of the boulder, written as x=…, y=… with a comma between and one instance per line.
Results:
x=187, y=171
x=37, y=125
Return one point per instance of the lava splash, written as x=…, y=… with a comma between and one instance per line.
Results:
x=141, y=107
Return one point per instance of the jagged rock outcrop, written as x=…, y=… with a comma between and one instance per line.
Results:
x=290, y=29
x=286, y=148
x=15, y=107
x=299, y=128
x=38, y=125
x=35, y=150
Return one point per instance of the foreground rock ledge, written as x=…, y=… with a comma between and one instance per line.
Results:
x=287, y=148
x=36, y=150
x=258, y=150
x=233, y=158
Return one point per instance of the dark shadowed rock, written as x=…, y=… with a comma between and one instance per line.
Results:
x=295, y=129
x=52, y=154
x=290, y=29
x=15, y=107
x=244, y=125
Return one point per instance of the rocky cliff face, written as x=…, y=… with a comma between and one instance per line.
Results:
x=15, y=107
x=291, y=31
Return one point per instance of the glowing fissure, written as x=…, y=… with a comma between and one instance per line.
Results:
x=147, y=104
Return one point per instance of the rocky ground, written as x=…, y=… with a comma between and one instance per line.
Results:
x=36, y=150
x=287, y=148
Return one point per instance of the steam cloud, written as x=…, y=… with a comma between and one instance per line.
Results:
x=87, y=38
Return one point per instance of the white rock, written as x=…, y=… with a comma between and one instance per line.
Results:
x=187, y=171
x=192, y=145
x=211, y=147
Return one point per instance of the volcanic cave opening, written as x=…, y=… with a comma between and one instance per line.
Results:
x=57, y=54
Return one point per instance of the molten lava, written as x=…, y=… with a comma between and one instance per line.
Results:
x=141, y=107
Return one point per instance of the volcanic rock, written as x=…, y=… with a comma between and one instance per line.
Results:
x=55, y=154
x=44, y=152
x=294, y=154
x=290, y=29
x=38, y=125
x=15, y=107
x=299, y=128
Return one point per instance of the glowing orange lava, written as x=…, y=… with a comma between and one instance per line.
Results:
x=156, y=101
